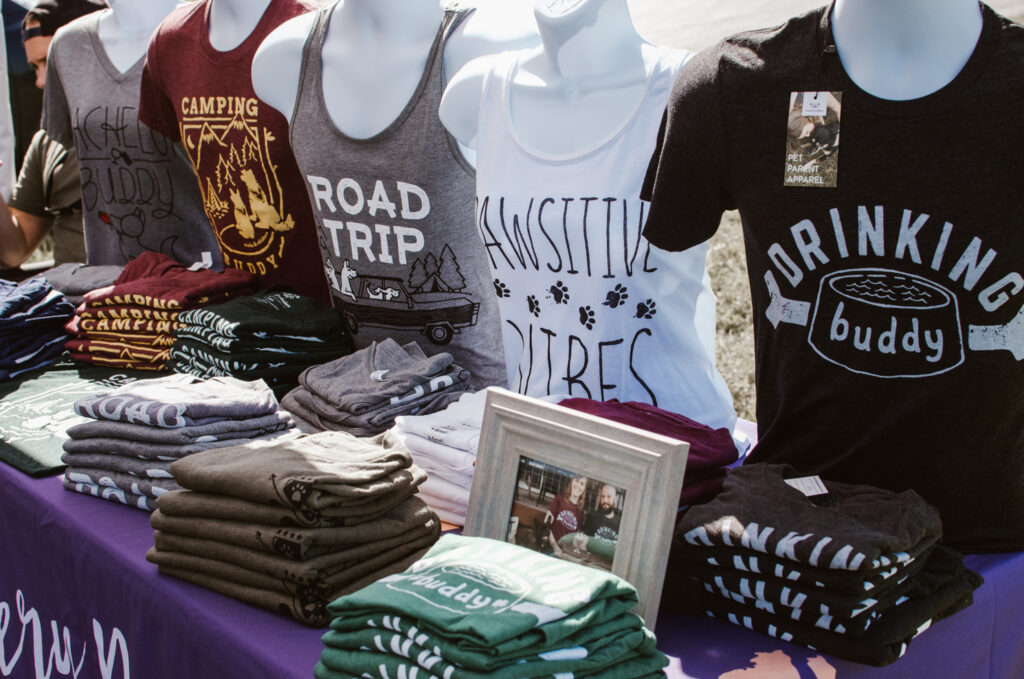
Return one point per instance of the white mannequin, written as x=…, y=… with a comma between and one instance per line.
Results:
x=232, y=21
x=374, y=55
x=580, y=85
x=905, y=49
x=125, y=29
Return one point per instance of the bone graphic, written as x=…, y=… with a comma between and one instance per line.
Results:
x=782, y=310
x=1009, y=337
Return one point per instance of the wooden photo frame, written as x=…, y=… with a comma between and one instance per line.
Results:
x=525, y=440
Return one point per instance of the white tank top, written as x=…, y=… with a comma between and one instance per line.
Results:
x=589, y=308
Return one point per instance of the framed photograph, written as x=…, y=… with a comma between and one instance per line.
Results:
x=578, y=487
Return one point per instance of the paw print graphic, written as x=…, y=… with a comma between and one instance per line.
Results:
x=501, y=289
x=587, y=317
x=533, y=305
x=559, y=293
x=616, y=297
x=646, y=309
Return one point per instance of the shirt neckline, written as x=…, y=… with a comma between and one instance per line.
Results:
x=244, y=48
x=853, y=96
x=317, y=82
x=607, y=140
x=93, y=28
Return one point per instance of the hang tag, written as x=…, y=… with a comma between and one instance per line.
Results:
x=810, y=486
x=812, y=139
x=815, y=103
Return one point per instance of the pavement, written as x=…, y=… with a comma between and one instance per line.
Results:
x=695, y=24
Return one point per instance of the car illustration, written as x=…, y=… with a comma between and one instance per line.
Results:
x=385, y=302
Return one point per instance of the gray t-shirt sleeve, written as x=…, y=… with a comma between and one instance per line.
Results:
x=29, y=193
x=56, y=115
x=49, y=182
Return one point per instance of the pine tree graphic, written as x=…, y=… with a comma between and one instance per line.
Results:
x=417, y=275
x=449, y=270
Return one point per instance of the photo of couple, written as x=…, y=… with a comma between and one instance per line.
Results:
x=567, y=515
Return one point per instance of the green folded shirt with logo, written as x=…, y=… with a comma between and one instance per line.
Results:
x=479, y=607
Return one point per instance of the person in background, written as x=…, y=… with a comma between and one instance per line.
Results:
x=48, y=192
x=565, y=513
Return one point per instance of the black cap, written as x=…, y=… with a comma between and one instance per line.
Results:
x=52, y=14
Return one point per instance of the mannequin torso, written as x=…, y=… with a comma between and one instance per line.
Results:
x=231, y=21
x=125, y=30
x=370, y=42
x=905, y=49
x=579, y=85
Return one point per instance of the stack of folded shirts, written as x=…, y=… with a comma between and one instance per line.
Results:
x=290, y=526
x=129, y=324
x=32, y=318
x=444, y=445
x=75, y=279
x=474, y=607
x=855, y=572
x=273, y=336
x=711, y=450
x=124, y=452
x=364, y=392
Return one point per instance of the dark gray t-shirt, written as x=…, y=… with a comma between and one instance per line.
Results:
x=138, y=193
x=889, y=309
x=395, y=220
x=49, y=186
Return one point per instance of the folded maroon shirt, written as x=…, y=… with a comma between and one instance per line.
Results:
x=709, y=448
x=119, y=350
x=154, y=280
x=115, y=362
x=129, y=311
x=80, y=326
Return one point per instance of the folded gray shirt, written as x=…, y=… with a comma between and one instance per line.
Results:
x=180, y=400
x=221, y=430
x=381, y=374
x=312, y=472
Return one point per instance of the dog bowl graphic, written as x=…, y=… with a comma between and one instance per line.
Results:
x=887, y=324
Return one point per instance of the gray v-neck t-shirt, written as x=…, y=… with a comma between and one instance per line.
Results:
x=138, y=193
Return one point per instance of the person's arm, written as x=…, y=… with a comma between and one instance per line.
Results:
x=25, y=222
x=20, y=234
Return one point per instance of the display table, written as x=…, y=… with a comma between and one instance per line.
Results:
x=73, y=567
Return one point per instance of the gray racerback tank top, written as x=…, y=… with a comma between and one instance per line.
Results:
x=395, y=219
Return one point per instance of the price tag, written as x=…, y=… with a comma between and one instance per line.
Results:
x=810, y=486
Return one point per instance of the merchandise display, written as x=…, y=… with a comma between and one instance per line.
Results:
x=273, y=335
x=316, y=232
x=198, y=95
x=364, y=392
x=395, y=215
x=886, y=307
x=138, y=194
x=124, y=450
x=32, y=318
x=474, y=607
x=851, y=570
x=130, y=324
x=338, y=513
x=711, y=450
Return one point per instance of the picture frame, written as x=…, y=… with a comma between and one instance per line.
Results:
x=521, y=435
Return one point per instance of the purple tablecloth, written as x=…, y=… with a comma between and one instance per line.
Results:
x=74, y=566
